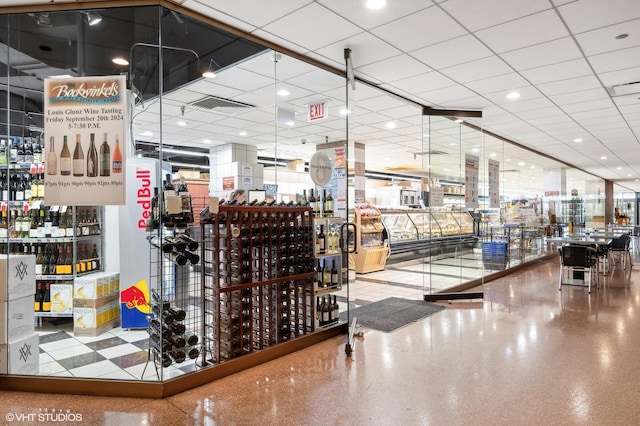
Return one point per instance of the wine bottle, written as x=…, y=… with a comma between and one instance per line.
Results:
x=178, y=245
x=116, y=165
x=52, y=159
x=177, y=258
x=65, y=158
x=78, y=158
x=334, y=274
x=105, y=158
x=322, y=241
x=157, y=328
x=162, y=345
x=178, y=356
x=168, y=188
x=92, y=157
x=336, y=309
x=39, y=261
x=178, y=314
x=303, y=200
x=325, y=316
x=95, y=259
x=191, y=243
x=328, y=204
x=318, y=312
x=319, y=274
x=193, y=258
x=312, y=200
x=177, y=342
x=326, y=274
x=46, y=301
x=4, y=225
x=193, y=353
x=37, y=305
x=165, y=246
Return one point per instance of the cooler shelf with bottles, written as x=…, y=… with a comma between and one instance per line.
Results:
x=329, y=271
x=66, y=240
x=371, y=252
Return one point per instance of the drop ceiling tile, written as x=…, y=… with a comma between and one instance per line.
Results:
x=393, y=69
x=585, y=15
x=447, y=94
x=255, y=12
x=421, y=83
x=309, y=25
x=500, y=97
x=474, y=103
x=452, y=52
x=426, y=27
x=581, y=96
x=603, y=40
x=365, y=49
x=477, y=70
x=367, y=19
x=488, y=13
x=207, y=10
x=505, y=83
x=569, y=85
x=560, y=50
x=620, y=77
x=527, y=105
x=600, y=105
x=557, y=72
x=618, y=60
x=280, y=41
x=528, y=31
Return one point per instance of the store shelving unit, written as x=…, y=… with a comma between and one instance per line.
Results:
x=512, y=236
x=257, y=278
x=573, y=211
x=371, y=254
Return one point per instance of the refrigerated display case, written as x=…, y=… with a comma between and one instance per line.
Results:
x=424, y=232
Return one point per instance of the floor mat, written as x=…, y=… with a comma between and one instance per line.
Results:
x=392, y=313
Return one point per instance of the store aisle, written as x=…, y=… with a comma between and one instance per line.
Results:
x=529, y=354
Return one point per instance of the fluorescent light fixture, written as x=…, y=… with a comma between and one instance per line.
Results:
x=183, y=152
x=120, y=61
x=243, y=133
x=513, y=95
x=475, y=150
x=577, y=140
x=344, y=111
x=375, y=4
x=283, y=92
x=193, y=166
x=61, y=76
x=532, y=166
x=521, y=163
x=181, y=123
x=390, y=125
x=92, y=18
x=604, y=157
x=446, y=169
x=618, y=168
x=493, y=154
x=459, y=120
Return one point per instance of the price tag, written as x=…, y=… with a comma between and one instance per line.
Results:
x=63, y=209
x=36, y=204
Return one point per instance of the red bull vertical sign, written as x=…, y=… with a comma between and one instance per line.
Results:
x=84, y=129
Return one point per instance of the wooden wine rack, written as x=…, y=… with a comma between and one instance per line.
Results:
x=257, y=278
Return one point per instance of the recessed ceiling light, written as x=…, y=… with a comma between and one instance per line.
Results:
x=493, y=154
x=453, y=144
x=390, y=125
x=618, y=168
x=146, y=133
x=604, y=157
x=446, y=169
x=521, y=163
x=209, y=74
x=243, y=133
x=459, y=120
x=207, y=141
x=61, y=76
x=290, y=123
x=577, y=140
x=622, y=36
x=532, y=167
x=637, y=180
x=386, y=158
x=181, y=123
x=283, y=92
x=344, y=111
x=513, y=95
x=120, y=61
x=508, y=159
x=426, y=136
x=475, y=150
x=375, y=4
x=629, y=175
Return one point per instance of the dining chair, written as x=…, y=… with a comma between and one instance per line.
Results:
x=620, y=248
x=576, y=260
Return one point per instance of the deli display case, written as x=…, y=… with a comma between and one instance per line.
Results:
x=417, y=233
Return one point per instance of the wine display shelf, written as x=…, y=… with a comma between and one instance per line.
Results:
x=257, y=278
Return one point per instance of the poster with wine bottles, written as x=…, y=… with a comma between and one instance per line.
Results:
x=84, y=129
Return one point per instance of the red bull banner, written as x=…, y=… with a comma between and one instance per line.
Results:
x=134, y=305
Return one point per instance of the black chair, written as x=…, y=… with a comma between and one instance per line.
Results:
x=578, y=262
x=620, y=247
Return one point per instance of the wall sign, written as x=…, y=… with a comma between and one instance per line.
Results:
x=320, y=168
x=317, y=112
x=84, y=127
x=228, y=182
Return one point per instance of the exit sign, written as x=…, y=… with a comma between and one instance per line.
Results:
x=318, y=111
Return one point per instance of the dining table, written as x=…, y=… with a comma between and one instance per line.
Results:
x=596, y=242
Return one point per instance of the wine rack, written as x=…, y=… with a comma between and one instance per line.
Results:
x=257, y=278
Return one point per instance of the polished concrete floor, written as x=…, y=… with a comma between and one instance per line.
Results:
x=527, y=354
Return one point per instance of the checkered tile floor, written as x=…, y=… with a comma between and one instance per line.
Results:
x=116, y=354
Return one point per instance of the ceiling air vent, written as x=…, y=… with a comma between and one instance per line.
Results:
x=624, y=89
x=222, y=106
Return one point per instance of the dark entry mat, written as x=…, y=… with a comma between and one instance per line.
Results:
x=392, y=313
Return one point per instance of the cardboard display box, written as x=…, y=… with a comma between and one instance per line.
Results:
x=89, y=321
x=21, y=356
x=97, y=285
x=17, y=276
x=95, y=303
x=62, y=298
x=16, y=319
